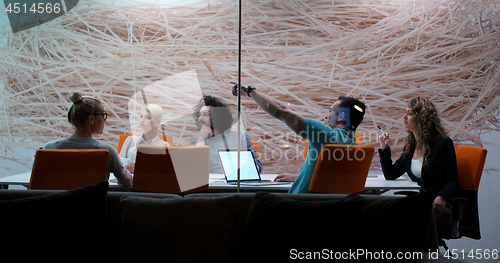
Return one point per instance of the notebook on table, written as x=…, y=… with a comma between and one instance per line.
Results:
x=248, y=173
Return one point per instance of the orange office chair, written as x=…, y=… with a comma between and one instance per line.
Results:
x=65, y=169
x=256, y=146
x=470, y=163
x=172, y=169
x=358, y=137
x=166, y=137
x=341, y=169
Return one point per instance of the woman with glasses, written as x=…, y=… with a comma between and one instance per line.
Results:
x=87, y=117
x=150, y=119
x=428, y=156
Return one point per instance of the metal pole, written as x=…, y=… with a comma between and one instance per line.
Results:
x=239, y=95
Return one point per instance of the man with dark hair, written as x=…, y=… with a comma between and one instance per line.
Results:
x=355, y=108
x=343, y=117
x=214, y=119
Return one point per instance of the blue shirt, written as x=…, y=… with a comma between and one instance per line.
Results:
x=318, y=134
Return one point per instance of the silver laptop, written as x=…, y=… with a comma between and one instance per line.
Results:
x=248, y=173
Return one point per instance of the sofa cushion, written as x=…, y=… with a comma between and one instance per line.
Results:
x=276, y=225
x=177, y=230
x=400, y=222
x=326, y=229
x=55, y=227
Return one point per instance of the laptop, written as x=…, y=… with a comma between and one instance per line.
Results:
x=248, y=173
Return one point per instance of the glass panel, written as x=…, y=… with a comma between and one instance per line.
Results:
x=302, y=53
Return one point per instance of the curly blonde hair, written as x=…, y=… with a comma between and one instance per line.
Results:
x=428, y=123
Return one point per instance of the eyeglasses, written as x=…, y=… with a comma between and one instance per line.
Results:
x=104, y=115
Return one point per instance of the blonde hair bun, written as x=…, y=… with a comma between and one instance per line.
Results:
x=75, y=96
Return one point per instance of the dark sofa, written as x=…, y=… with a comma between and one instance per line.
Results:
x=90, y=223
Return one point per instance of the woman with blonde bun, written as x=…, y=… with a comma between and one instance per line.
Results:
x=87, y=117
x=150, y=118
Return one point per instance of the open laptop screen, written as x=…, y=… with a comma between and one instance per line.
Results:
x=229, y=160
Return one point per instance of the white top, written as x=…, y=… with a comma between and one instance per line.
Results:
x=129, y=148
x=416, y=167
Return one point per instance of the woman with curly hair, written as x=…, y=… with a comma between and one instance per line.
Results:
x=428, y=156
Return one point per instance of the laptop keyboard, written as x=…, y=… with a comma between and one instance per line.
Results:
x=250, y=182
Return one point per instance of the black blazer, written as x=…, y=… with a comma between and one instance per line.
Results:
x=439, y=173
